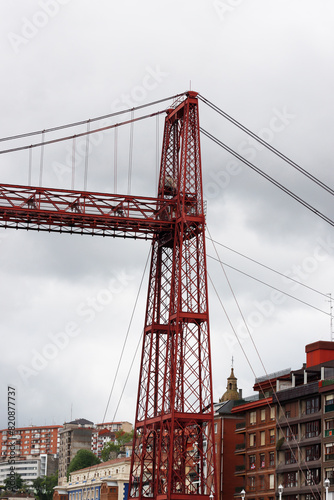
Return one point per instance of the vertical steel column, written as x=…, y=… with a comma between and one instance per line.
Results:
x=173, y=455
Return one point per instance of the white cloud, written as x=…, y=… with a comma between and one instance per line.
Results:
x=261, y=57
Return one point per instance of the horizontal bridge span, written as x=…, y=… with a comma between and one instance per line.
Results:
x=80, y=212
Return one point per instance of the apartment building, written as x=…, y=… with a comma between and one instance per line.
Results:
x=258, y=431
x=74, y=436
x=305, y=427
x=28, y=441
x=116, y=426
x=30, y=468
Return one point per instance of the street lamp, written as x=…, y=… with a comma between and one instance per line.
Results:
x=243, y=494
x=327, y=484
x=211, y=496
x=280, y=491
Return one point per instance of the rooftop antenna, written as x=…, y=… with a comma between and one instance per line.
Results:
x=232, y=362
x=331, y=316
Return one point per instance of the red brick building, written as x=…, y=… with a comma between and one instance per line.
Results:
x=258, y=449
x=226, y=441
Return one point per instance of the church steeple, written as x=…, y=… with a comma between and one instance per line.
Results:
x=231, y=388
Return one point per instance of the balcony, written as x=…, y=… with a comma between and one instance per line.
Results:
x=329, y=408
x=240, y=469
x=240, y=447
x=329, y=433
x=329, y=456
x=240, y=426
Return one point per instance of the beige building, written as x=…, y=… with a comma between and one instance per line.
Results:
x=105, y=481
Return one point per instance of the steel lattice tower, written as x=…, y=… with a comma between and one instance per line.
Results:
x=173, y=454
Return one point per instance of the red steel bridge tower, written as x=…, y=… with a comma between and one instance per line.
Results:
x=173, y=453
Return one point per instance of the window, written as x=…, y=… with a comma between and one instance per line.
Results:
x=329, y=448
x=312, y=453
x=290, y=457
x=252, y=439
x=312, y=429
x=252, y=461
x=330, y=474
x=329, y=424
x=262, y=438
x=252, y=418
x=262, y=460
x=261, y=482
x=271, y=459
x=272, y=435
x=272, y=413
x=252, y=483
x=291, y=432
x=329, y=400
x=271, y=481
x=312, y=476
x=312, y=405
x=216, y=427
x=263, y=415
x=291, y=480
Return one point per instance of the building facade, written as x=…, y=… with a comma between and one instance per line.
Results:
x=30, y=468
x=74, y=436
x=105, y=481
x=305, y=427
x=28, y=441
x=257, y=448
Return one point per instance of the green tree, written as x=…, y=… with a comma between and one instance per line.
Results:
x=13, y=482
x=110, y=451
x=43, y=486
x=113, y=448
x=124, y=437
x=82, y=459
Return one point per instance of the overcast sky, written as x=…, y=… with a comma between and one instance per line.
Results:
x=269, y=64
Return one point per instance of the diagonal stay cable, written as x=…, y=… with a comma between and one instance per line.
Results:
x=266, y=284
x=268, y=177
x=126, y=338
x=267, y=145
x=285, y=276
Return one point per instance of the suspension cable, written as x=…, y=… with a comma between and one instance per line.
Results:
x=74, y=124
x=267, y=145
x=82, y=134
x=130, y=153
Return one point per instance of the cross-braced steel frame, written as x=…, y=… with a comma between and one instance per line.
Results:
x=173, y=455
